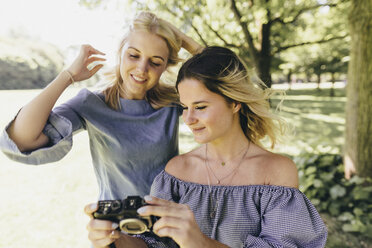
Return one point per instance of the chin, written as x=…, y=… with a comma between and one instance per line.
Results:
x=201, y=140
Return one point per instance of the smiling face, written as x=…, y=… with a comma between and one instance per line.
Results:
x=207, y=114
x=144, y=58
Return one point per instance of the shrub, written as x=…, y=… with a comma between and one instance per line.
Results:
x=350, y=201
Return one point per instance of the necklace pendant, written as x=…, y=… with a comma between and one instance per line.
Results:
x=223, y=163
x=218, y=181
x=212, y=214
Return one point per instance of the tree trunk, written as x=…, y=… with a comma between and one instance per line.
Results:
x=358, y=143
x=264, y=70
x=264, y=63
x=332, y=92
x=318, y=80
x=289, y=79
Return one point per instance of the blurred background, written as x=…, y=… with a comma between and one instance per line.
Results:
x=303, y=47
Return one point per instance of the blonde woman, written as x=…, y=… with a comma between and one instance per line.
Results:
x=230, y=191
x=132, y=127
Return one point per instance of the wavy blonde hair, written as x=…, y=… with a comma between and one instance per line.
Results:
x=162, y=94
x=224, y=73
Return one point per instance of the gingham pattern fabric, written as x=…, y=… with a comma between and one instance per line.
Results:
x=247, y=216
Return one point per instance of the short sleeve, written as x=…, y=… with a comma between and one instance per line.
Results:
x=288, y=219
x=61, y=123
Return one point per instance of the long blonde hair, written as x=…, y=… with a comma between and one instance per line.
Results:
x=162, y=94
x=224, y=73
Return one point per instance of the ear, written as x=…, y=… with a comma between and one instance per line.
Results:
x=236, y=107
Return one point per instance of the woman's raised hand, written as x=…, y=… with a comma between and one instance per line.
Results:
x=79, y=68
x=186, y=41
x=177, y=221
x=101, y=232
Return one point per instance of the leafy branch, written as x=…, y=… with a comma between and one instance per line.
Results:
x=279, y=49
x=238, y=16
x=221, y=38
x=299, y=13
x=189, y=22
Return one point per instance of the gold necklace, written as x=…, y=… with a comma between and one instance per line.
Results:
x=232, y=172
x=215, y=204
x=223, y=163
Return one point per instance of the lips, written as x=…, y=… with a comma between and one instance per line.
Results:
x=138, y=79
x=197, y=130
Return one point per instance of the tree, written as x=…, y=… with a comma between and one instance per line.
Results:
x=358, y=142
x=257, y=30
x=337, y=62
x=318, y=59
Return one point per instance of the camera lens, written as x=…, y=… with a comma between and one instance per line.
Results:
x=133, y=226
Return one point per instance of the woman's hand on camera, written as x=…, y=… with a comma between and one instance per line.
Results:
x=100, y=232
x=79, y=68
x=177, y=221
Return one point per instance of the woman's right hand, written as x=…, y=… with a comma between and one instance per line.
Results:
x=79, y=68
x=101, y=232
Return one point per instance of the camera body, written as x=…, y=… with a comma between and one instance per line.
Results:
x=124, y=212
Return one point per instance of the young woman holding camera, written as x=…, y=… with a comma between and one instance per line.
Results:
x=231, y=191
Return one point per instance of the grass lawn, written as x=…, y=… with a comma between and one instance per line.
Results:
x=316, y=121
x=43, y=206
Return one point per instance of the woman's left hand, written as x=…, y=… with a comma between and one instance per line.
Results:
x=177, y=221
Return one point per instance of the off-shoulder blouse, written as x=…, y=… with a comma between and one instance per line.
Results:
x=244, y=216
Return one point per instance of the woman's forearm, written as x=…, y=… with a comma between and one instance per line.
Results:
x=211, y=243
x=126, y=241
x=26, y=129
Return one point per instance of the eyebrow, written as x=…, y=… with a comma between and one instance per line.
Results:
x=195, y=103
x=156, y=56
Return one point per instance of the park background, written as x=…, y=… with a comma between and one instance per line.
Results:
x=305, y=46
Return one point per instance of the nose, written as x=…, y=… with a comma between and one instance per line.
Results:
x=142, y=66
x=188, y=117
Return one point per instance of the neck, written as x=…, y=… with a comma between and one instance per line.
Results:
x=132, y=97
x=228, y=148
x=124, y=94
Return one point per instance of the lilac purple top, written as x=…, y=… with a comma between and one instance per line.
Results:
x=129, y=147
x=257, y=216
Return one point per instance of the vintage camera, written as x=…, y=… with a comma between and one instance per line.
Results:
x=124, y=212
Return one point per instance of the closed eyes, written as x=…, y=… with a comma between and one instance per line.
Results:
x=196, y=107
x=134, y=56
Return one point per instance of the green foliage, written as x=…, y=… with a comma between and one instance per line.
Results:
x=260, y=31
x=307, y=61
x=263, y=33
x=90, y=3
x=322, y=180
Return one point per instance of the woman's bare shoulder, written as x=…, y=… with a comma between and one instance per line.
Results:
x=182, y=165
x=268, y=168
x=281, y=170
